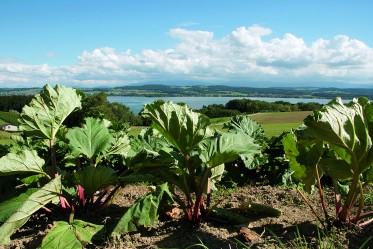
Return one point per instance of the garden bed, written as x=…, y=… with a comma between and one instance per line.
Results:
x=296, y=222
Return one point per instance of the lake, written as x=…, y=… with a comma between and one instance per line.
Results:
x=137, y=103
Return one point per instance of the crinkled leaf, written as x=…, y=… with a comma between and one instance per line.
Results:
x=180, y=125
x=368, y=113
x=142, y=158
x=217, y=172
x=346, y=127
x=47, y=111
x=226, y=147
x=70, y=236
x=144, y=212
x=48, y=193
x=149, y=151
x=24, y=162
x=8, y=207
x=303, y=159
x=245, y=125
x=216, y=175
x=91, y=140
x=254, y=161
x=150, y=139
x=336, y=169
x=121, y=145
x=343, y=188
x=93, y=179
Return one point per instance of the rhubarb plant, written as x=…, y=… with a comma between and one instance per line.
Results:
x=186, y=154
x=337, y=142
x=62, y=171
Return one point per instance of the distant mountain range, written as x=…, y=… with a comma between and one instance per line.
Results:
x=262, y=84
x=229, y=91
x=160, y=90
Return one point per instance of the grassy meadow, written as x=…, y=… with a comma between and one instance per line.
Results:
x=8, y=118
x=273, y=123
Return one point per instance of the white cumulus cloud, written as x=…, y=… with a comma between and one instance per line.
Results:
x=244, y=55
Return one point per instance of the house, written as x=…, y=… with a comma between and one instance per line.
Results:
x=8, y=127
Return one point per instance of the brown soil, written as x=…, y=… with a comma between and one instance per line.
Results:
x=261, y=231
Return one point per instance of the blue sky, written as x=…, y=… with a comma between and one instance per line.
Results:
x=253, y=43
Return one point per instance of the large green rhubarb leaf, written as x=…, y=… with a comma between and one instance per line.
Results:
x=48, y=193
x=149, y=150
x=24, y=162
x=76, y=235
x=182, y=127
x=121, y=144
x=344, y=126
x=91, y=140
x=304, y=157
x=93, y=179
x=46, y=112
x=226, y=147
x=144, y=212
x=245, y=125
x=8, y=207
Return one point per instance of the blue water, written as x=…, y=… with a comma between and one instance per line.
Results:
x=137, y=103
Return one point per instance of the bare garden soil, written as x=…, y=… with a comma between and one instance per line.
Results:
x=296, y=222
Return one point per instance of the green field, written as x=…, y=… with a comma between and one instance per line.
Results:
x=273, y=123
x=9, y=118
x=2, y=122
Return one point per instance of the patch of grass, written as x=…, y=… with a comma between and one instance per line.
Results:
x=9, y=117
x=215, y=121
x=218, y=123
x=277, y=128
x=279, y=117
x=2, y=122
x=274, y=123
x=5, y=134
x=325, y=239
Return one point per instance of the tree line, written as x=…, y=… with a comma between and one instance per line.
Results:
x=14, y=102
x=248, y=106
x=98, y=106
x=92, y=106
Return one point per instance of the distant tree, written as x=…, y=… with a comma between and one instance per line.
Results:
x=255, y=106
x=217, y=111
x=14, y=102
x=311, y=106
x=98, y=106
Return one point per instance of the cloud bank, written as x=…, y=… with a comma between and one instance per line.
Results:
x=243, y=56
